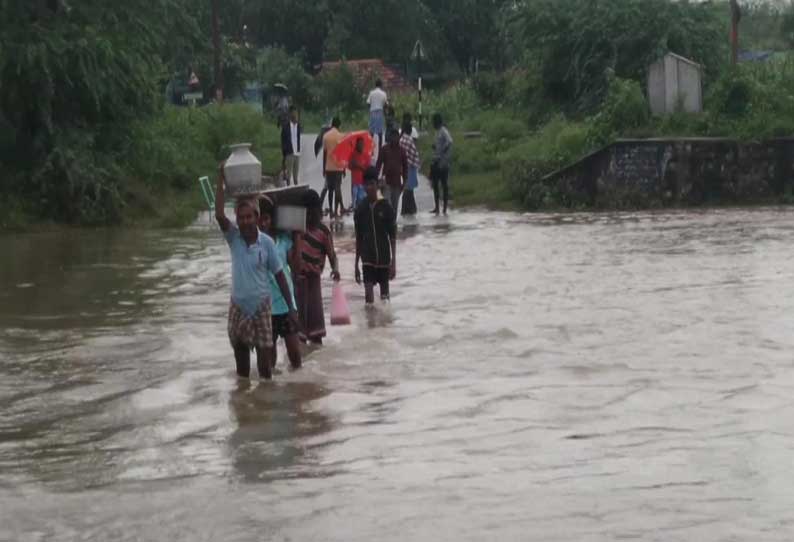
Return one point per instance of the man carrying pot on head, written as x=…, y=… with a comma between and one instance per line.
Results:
x=253, y=255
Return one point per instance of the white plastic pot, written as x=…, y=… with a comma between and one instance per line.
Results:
x=291, y=217
x=243, y=172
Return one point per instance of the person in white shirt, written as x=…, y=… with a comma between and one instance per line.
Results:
x=291, y=147
x=377, y=101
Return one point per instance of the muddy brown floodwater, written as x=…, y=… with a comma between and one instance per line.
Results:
x=544, y=377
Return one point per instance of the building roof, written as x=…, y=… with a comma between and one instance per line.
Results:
x=364, y=69
x=680, y=58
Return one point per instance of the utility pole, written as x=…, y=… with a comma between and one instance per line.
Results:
x=736, y=16
x=418, y=55
x=216, y=46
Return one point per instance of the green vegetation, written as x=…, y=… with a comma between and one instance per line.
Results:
x=169, y=152
x=578, y=93
x=86, y=138
x=750, y=102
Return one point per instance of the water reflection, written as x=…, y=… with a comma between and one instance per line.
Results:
x=273, y=420
x=379, y=314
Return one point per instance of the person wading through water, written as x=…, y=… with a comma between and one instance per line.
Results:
x=287, y=247
x=316, y=244
x=254, y=254
x=376, y=242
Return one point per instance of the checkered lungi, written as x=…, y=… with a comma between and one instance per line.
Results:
x=255, y=331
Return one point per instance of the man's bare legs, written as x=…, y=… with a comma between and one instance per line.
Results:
x=264, y=363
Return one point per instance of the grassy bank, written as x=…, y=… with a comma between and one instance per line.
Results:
x=154, y=179
x=482, y=190
x=504, y=166
x=475, y=179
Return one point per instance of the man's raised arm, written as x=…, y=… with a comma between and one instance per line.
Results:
x=220, y=203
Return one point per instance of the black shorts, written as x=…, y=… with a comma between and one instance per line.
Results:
x=333, y=179
x=377, y=275
x=282, y=327
x=439, y=174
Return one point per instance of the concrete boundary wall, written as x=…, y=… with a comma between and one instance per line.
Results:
x=679, y=171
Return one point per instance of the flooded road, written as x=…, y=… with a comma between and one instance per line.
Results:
x=544, y=377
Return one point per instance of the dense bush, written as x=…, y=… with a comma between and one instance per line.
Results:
x=502, y=128
x=524, y=166
x=180, y=145
x=524, y=92
x=275, y=65
x=561, y=142
x=72, y=81
x=754, y=101
x=337, y=90
x=474, y=156
x=491, y=88
x=458, y=104
x=624, y=109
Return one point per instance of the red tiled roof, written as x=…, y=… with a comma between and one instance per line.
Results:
x=363, y=69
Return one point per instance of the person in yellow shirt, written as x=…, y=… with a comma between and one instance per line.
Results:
x=332, y=169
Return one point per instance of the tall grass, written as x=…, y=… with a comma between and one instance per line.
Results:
x=168, y=153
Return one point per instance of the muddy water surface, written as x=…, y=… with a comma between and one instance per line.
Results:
x=587, y=377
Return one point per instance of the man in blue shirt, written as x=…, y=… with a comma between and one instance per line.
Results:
x=253, y=256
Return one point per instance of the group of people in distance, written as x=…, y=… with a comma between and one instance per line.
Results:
x=399, y=162
x=277, y=276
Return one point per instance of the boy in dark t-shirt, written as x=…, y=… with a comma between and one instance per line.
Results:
x=376, y=243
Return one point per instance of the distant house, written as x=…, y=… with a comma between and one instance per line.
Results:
x=366, y=70
x=675, y=84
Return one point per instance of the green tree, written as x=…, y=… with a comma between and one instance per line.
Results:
x=386, y=29
x=275, y=65
x=72, y=77
x=298, y=27
x=471, y=29
x=577, y=41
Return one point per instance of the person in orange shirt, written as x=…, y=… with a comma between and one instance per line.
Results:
x=332, y=169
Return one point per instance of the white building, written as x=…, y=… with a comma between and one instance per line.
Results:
x=675, y=84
